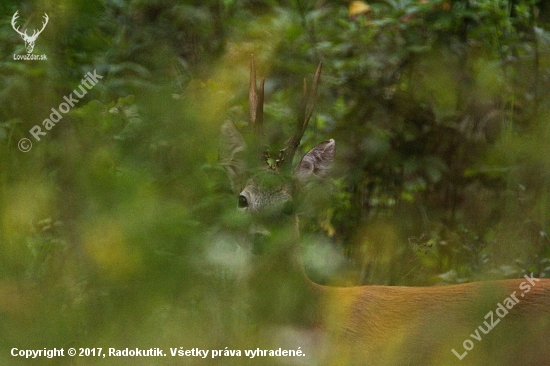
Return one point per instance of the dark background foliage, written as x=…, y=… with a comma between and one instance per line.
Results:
x=114, y=228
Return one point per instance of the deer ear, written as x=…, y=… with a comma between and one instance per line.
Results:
x=317, y=162
x=230, y=152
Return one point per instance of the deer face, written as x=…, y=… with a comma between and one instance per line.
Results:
x=264, y=191
x=29, y=43
x=267, y=196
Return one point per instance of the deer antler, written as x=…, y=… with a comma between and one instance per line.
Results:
x=13, y=19
x=256, y=100
x=35, y=33
x=43, y=26
x=306, y=109
x=256, y=109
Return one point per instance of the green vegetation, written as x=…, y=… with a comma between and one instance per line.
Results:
x=118, y=227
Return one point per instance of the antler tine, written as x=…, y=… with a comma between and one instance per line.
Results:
x=44, y=23
x=312, y=97
x=255, y=100
x=306, y=110
x=14, y=23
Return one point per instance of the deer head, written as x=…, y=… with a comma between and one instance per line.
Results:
x=29, y=40
x=265, y=184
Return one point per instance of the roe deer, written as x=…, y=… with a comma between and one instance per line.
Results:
x=504, y=322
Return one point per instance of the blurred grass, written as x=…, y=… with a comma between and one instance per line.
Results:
x=118, y=229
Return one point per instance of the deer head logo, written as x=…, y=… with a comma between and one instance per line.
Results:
x=29, y=40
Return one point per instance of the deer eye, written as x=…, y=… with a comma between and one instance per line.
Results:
x=243, y=202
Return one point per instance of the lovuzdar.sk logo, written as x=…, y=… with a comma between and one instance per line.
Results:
x=29, y=39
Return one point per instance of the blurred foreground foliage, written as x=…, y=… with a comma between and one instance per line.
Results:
x=114, y=228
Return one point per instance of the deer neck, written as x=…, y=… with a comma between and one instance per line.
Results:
x=283, y=292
